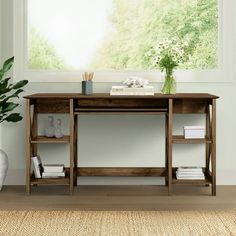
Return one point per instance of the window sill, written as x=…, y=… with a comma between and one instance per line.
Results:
x=184, y=76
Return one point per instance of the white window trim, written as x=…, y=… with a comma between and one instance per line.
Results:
x=224, y=74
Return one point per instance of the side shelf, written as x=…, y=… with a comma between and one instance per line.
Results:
x=181, y=140
x=48, y=105
x=42, y=139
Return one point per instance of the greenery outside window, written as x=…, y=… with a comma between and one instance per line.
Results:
x=112, y=37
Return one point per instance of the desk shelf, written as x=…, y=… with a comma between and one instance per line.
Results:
x=207, y=180
x=179, y=139
x=43, y=139
x=50, y=181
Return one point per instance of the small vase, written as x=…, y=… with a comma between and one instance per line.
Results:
x=50, y=128
x=169, y=86
x=3, y=167
x=58, y=132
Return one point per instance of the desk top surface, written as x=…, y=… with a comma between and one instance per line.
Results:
x=107, y=95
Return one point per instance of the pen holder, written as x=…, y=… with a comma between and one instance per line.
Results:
x=87, y=87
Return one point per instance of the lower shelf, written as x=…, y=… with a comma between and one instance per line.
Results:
x=207, y=180
x=50, y=181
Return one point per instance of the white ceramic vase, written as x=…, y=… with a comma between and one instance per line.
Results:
x=3, y=167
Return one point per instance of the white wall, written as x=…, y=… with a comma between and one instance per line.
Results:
x=123, y=140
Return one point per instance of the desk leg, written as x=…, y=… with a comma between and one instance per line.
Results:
x=166, y=149
x=213, y=147
x=28, y=146
x=72, y=144
x=169, y=139
x=75, y=150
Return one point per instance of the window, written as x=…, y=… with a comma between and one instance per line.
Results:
x=63, y=37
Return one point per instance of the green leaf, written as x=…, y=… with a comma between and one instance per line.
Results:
x=7, y=66
x=20, y=84
x=14, y=95
x=8, y=106
x=14, y=117
x=4, y=86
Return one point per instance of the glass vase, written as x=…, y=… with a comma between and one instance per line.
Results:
x=169, y=86
x=50, y=128
x=58, y=130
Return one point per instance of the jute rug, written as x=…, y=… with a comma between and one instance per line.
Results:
x=115, y=223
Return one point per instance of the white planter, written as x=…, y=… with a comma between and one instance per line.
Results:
x=3, y=167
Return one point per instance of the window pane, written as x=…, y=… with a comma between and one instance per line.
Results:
x=116, y=34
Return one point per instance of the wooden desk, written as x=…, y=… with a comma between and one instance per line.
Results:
x=102, y=103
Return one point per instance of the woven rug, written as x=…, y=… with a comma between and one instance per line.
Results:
x=116, y=223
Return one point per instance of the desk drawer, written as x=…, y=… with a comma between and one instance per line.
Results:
x=122, y=103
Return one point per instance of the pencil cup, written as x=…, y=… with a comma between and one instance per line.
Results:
x=87, y=87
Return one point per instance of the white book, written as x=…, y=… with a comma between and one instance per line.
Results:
x=127, y=89
x=190, y=169
x=191, y=178
x=112, y=93
x=53, y=174
x=37, y=166
x=53, y=168
x=189, y=173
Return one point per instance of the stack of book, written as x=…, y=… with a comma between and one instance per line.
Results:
x=37, y=167
x=190, y=173
x=123, y=90
x=53, y=171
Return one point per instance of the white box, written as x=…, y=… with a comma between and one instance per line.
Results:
x=194, y=132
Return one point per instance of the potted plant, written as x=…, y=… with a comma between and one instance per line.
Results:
x=167, y=55
x=9, y=93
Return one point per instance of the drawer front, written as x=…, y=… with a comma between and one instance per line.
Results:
x=122, y=103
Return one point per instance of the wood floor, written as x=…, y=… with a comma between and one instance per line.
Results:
x=118, y=198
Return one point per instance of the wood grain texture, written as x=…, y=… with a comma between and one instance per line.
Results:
x=170, y=124
x=72, y=145
x=181, y=140
x=213, y=147
x=107, y=95
x=27, y=145
x=120, y=198
x=77, y=104
x=43, y=139
x=52, y=105
x=208, y=136
x=121, y=171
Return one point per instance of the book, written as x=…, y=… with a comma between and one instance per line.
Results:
x=127, y=89
x=190, y=169
x=52, y=174
x=53, y=168
x=123, y=90
x=37, y=166
x=113, y=93
x=191, y=178
x=189, y=173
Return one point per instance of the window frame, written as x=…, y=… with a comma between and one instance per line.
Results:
x=223, y=74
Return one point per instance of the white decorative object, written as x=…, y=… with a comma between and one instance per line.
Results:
x=50, y=128
x=194, y=132
x=3, y=167
x=135, y=82
x=58, y=132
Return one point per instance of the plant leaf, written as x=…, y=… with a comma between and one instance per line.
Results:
x=14, y=95
x=4, y=86
x=14, y=117
x=8, y=106
x=20, y=84
x=7, y=65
